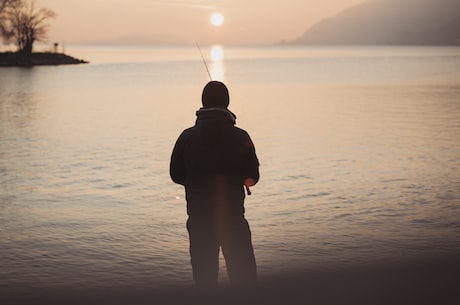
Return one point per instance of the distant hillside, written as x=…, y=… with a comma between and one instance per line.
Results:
x=404, y=22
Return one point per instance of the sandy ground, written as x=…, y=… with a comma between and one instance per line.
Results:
x=428, y=281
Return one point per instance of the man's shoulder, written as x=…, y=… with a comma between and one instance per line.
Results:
x=185, y=135
x=188, y=131
x=241, y=131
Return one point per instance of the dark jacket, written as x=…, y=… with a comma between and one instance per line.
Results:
x=212, y=160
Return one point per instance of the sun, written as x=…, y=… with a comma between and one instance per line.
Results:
x=217, y=19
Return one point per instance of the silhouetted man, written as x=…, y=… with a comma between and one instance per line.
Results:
x=214, y=160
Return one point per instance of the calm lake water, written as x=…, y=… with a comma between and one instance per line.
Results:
x=359, y=152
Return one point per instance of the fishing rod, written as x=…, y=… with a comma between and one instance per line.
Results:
x=204, y=61
x=248, y=190
x=210, y=78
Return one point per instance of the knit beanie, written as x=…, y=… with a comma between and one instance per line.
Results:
x=215, y=95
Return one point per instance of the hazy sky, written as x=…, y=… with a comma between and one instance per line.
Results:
x=187, y=21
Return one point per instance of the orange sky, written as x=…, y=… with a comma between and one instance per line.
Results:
x=187, y=21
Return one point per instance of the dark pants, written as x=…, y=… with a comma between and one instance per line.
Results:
x=207, y=235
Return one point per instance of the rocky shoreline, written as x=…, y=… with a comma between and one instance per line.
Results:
x=15, y=59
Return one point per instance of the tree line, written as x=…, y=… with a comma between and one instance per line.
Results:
x=23, y=24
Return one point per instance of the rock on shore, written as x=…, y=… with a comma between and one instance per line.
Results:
x=15, y=59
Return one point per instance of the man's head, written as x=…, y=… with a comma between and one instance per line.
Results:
x=215, y=94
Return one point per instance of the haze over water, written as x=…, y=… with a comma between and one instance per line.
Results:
x=359, y=150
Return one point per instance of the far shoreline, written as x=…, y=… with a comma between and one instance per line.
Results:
x=17, y=59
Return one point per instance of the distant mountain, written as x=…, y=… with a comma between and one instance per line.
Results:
x=392, y=22
x=135, y=40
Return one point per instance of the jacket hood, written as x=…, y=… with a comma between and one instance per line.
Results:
x=215, y=115
x=213, y=124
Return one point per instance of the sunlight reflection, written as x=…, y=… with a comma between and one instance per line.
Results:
x=217, y=53
x=217, y=66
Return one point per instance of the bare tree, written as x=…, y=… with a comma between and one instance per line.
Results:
x=24, y=24
x=5, y=7
x=7, y=3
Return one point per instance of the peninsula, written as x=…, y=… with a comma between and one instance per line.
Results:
x=18, y=59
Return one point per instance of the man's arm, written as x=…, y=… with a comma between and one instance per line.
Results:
x=177, y=169
x=251, y=164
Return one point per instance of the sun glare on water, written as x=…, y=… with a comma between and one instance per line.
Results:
x=217, y=53
x=217, y=19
